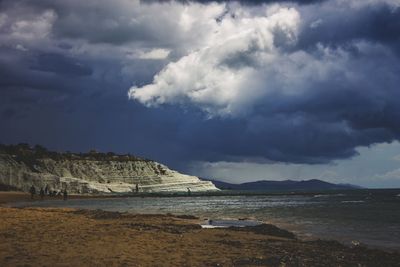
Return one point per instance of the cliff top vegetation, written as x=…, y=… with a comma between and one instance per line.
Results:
x=27, y=153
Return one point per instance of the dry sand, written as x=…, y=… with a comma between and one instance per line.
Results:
x=68, y=237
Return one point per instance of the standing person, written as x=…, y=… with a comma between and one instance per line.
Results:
x=137, y=188
x=41, y=193
x=46, y=189
x=32, y=190
x=188, y=191
x=65, y=194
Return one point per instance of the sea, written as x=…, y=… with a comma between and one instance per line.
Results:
x=366, y=217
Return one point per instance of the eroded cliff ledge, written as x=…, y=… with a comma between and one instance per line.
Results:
x=22, y=166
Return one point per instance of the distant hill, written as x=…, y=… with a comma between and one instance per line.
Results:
x=287, y=185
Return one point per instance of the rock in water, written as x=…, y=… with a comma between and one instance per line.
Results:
x=21, y=166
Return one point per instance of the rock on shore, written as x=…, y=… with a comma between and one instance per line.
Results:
x=91, y=173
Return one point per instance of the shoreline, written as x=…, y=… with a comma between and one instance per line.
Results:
x=56, y=236
x=207, y=193
x=96, y=237
x=18, y=196
x=17, y=199
x=9, y=197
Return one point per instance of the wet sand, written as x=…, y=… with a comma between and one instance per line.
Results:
x=69, y=237
x=12, y=197
x=7, y=197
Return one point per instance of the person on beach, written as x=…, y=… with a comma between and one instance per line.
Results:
x=137, y=188
x=188, y=191
x=46, y=189
x=32, y=190
x=65, y=194
x=41, y=193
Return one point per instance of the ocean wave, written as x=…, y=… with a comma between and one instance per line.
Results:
x=329, y=195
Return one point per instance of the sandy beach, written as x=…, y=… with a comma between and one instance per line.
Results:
x=70, y=237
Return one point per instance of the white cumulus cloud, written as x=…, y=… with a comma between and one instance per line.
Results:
x=230, y=71
x=154, y=54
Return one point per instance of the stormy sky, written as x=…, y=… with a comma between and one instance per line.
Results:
x=232, y=90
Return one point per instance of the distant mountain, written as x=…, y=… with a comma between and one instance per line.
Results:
x=352, y=186
x=287, y=185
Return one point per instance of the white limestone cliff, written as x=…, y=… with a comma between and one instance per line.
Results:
x=82, y=175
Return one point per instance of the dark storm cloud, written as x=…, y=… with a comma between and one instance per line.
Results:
x=112, y=23
x=8, y=113
x=245, y=2
x=57, y=63
x=295, y=130
x=376, y=23
x=41, y=71
x=65, y=86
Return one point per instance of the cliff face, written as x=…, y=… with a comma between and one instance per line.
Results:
x=93, y=173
